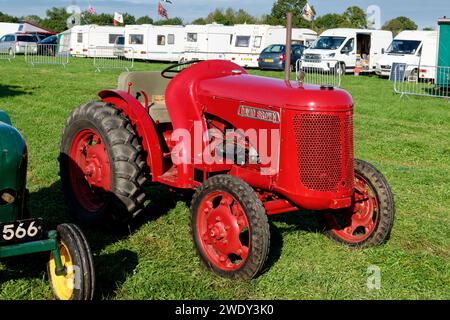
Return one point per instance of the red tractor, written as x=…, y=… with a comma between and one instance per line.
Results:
x=249, y=146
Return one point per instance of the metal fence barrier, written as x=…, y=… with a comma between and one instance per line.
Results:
x=421, y=80
x=7, y=52
x=319, y=72
x=48, y=54
x=111, y=58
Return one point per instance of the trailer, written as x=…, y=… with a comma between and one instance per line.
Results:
x=249, y=40
x=207, y=42
x=416, y=49
x=156, y=43
x=82, y=38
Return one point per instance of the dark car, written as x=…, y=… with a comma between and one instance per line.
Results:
x=273, y=57
x=48, y=46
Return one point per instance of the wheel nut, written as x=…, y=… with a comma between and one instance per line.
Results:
x=222, y=258
x=218, y=219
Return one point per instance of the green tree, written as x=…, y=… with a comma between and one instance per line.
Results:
x=428, y=29
x=280, y=9
x=355, y=17
x=218, y=16
x=7, y=18
x=330, y=21
x=32, y=19
x=56, y=19
x=172, y=21
x=399, y=24
x=200, y=21
x=144, y=20
x=241, y=16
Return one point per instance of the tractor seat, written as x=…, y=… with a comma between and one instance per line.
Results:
x=154, y=86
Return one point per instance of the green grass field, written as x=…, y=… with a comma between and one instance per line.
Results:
x=407, y=139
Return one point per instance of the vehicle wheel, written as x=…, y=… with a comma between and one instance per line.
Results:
x=370, y=219
x=78, y=282
x=229, y=227
x=102, y=168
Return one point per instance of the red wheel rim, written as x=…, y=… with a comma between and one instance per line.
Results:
x=358, y=222
x=89, y=170
x=223, y=230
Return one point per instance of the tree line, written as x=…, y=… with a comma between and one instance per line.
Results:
x=352, y=17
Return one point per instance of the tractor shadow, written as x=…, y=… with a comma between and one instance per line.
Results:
x=11, y=90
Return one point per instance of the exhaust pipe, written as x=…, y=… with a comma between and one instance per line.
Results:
x=287, y=62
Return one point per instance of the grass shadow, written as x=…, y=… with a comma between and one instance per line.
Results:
x=11, y=90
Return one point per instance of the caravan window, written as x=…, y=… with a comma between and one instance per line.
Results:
x=191, y=37
x=136, y=39
x=113, y=37
x=161, y=40
x=170, y=39
x=80, y=38
x=242, y=41
x=258, y=41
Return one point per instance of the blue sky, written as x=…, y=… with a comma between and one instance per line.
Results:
x=424, y=13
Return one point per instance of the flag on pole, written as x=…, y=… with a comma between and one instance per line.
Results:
x=162, y=12
x=118, y=18
x=308, y=13
x=91, y=9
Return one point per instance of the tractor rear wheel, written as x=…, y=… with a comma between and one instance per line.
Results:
x=229, y=227
x=78, y=280
x=370, y=219
x=102, y=167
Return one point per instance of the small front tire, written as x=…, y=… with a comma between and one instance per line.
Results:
x=78, y=281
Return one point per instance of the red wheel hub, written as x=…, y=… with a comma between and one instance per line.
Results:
x=89, y=169
x=223, y=230
x=357, y=223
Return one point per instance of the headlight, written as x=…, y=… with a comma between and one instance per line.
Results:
x=331, y=55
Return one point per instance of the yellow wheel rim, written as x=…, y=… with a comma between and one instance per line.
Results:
x=62, y=285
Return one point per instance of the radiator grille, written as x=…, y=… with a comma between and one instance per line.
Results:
x=320, y=151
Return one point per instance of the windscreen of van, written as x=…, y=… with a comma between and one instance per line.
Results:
x=328, y=43
x=403, y=47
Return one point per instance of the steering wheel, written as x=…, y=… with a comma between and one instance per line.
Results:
x=175, y=68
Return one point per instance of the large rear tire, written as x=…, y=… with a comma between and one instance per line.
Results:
x=229, y=228
x=370, y=219
x=102, y=167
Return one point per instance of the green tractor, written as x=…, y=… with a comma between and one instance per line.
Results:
x=70, y=267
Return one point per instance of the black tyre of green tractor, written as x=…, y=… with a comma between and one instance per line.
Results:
x=128, y=169
x=229, y=228
x=78, y=280
x=369, y=222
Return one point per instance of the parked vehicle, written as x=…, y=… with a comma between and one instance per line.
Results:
x=18, y=43
x=209, y=127
x=82, y=39
x=48, y=46
x=157, y=43
x=248, y=40
x=70, y=266
x=273, y=57
x=344, y=49
x=415, y=49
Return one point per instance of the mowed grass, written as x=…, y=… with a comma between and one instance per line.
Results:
x=407, y=139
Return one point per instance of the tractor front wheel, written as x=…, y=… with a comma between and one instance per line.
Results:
x=102, y=167
x=368, y=222
x=229, y=227
x=77, y=282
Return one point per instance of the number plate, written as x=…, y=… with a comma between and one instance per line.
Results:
x=268, y=60
x=20, y=231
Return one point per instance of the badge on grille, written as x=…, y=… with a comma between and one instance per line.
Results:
x=259, y=114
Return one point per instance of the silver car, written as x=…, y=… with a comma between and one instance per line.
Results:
x=18, y=43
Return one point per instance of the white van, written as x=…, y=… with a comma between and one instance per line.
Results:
x=206, y=42
x=345, y=49
x=249, y=40
x=82, y=38
x=414, y=48
x=158, y=43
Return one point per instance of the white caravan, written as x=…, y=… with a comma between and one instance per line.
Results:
x=8, y=28
x=83, y=38
x=206, y=42
x=149, y=42
x=249, y=40
x=413, y=48
x=344, y=49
